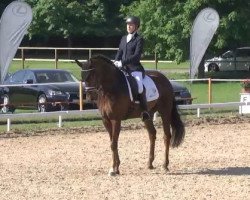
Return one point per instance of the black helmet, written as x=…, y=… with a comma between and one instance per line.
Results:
x=133, y=20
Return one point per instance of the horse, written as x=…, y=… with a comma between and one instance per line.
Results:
x=115, y=105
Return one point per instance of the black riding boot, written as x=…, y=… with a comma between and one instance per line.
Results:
x=143, y=103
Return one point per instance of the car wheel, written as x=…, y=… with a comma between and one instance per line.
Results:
x=214, y=67
x=42, y=105
x=6, y=107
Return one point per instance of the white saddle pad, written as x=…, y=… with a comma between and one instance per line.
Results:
x=151, y=89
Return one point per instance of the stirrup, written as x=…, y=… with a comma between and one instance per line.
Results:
x=145, y=116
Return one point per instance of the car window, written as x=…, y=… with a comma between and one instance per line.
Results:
x=29, y=76
x=41, y=77
x=18, y=77
x=243, y=53
x=228, y=54
x=54, y=76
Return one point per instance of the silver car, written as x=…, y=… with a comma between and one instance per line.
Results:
x=230, y=61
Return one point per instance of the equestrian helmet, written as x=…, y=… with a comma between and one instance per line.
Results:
x=133, y=20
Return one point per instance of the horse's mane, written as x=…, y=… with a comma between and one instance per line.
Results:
x=106, y=59
x=120, y=86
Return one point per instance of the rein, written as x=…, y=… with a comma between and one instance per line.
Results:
x=87, y=70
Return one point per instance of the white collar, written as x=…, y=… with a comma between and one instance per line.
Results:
x=130, y=36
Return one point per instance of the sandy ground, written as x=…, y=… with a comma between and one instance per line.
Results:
x=212, y=163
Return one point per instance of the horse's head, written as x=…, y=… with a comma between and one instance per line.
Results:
x=87, y=72
x=96, y=69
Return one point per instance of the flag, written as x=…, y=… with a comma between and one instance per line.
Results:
x=14, y=23
x=204, y=27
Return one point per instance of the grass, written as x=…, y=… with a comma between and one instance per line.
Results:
x=73, y=68
x=221, y=92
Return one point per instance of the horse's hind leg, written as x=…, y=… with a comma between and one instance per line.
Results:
x=152, y=137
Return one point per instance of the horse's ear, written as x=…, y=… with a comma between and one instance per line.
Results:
x=79, y=63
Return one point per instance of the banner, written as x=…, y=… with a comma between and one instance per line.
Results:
x=204, y=27
x=14, y=23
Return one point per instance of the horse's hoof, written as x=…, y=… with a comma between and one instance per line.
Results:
x=166, y=169
x=112, y=172
x=150, y=167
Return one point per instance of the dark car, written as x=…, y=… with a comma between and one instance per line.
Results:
x=44, y=89
x=182, y=95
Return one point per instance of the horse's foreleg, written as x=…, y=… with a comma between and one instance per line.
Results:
x=108, y=126
x=116, y=126
x=152, y=137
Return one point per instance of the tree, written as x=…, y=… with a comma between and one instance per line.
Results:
x=166, y=24
x=66, y=18
x=78, y=18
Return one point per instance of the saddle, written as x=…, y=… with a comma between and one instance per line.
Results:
x=148, y=85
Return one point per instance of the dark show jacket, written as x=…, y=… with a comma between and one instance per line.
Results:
x=130, y=53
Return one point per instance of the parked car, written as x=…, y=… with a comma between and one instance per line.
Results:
x=230, y=60
x=44, y=89
x=182, y=94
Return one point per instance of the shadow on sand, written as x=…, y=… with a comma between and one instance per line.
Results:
x=231, y=171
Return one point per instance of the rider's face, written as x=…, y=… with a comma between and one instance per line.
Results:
x=131, y=27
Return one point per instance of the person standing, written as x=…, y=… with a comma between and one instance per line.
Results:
x=129, y=55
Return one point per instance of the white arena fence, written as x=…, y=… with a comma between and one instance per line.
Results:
x=61, y=114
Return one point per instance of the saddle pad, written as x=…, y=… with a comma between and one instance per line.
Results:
x=151, y=89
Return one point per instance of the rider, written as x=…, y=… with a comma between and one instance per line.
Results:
x=128, y=56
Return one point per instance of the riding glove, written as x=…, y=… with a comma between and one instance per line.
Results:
x=118, y=64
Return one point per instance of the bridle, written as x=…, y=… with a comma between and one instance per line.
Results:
x=86, y=73
x=86, y=76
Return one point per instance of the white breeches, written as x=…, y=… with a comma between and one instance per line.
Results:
x=138, y=77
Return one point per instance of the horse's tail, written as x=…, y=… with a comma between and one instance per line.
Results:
x=178, y=129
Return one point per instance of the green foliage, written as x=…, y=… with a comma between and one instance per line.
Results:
x=76, y=18
x=166, y=24
x=66, y=17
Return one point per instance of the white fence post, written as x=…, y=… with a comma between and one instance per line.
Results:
x=60, y=121
x=198, y=112
x=8, y=124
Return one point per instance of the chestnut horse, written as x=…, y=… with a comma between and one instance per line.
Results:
x=114, y=104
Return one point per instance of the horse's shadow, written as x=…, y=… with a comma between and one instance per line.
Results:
x=230, y=171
